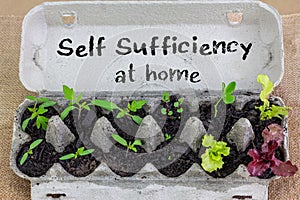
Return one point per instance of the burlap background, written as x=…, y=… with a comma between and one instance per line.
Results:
x=12, y=93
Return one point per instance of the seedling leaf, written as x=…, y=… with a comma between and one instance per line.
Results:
x=43, y=99
x=180, y=110
x=137, y=119
x=166, y=97
x=69, y=93
x=41, y=110
x=180, y=100
x=267, y=86
x=41, y=120
x=65, y=113
x=176, y=104
x=32, y=98
x=105, y=104
x=137, y=143
x=86, y=107
x=24, y=158
x=229, y=99
x=48, y=104
x=119, y=139
x=80, y=150
x=87, y=152
x=25, y=123
x=121, y=114
x=135, y=105
x=67, y=157
x=35, y=143
x=208, y=141
x=230, y=88
x=164, y=111
x=133, y=149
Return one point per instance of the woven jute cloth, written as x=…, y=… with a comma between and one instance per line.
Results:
x=12, y=93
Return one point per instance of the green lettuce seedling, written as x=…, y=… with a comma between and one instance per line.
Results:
x=80, y=152
x=38, y=111
x=129, y=145
x=32, y=146
x=267, y=111
x=227, y=96
x=75, y=102
x=212, y=159
x=133, y=107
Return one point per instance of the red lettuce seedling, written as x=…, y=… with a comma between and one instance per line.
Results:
x=273, y=132
x=265, y=158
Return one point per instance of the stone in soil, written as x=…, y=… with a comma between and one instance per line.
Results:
x=101, y=134
x=241, y=134
x=58, y=134
x=192, y=133
x=150, y=133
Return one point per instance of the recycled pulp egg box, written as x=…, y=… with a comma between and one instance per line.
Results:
x=137, y=48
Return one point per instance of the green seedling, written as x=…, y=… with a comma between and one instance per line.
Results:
x=166, y=98
x=129, y=145
x=80, y=152
x=133, y=107
x=212, y=159
x=267, y=111
x=75, y=102
x=167, y=110
x=178, y=104
x=38, y=111
x=227, y=96
x=32, y=146
x=167, y=136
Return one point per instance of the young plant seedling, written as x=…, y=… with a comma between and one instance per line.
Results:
x=265, y=158
x=167, y=136
x=267, y=111
x=129, y=145
x=133, y=107
x=212, y=159
x=227, y=96
x=38, y=111
x=75, y=102
x=80, y=152
x=166, y=98
x=32, y=146
x=167, y=110
x=178, y=104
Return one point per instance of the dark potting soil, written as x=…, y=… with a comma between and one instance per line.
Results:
x=31, y=128
x=38, y=163
x=171, y=158
x=125, y=162
x=82, y=165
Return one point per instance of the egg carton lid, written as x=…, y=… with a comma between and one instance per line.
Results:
x=214, y=41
